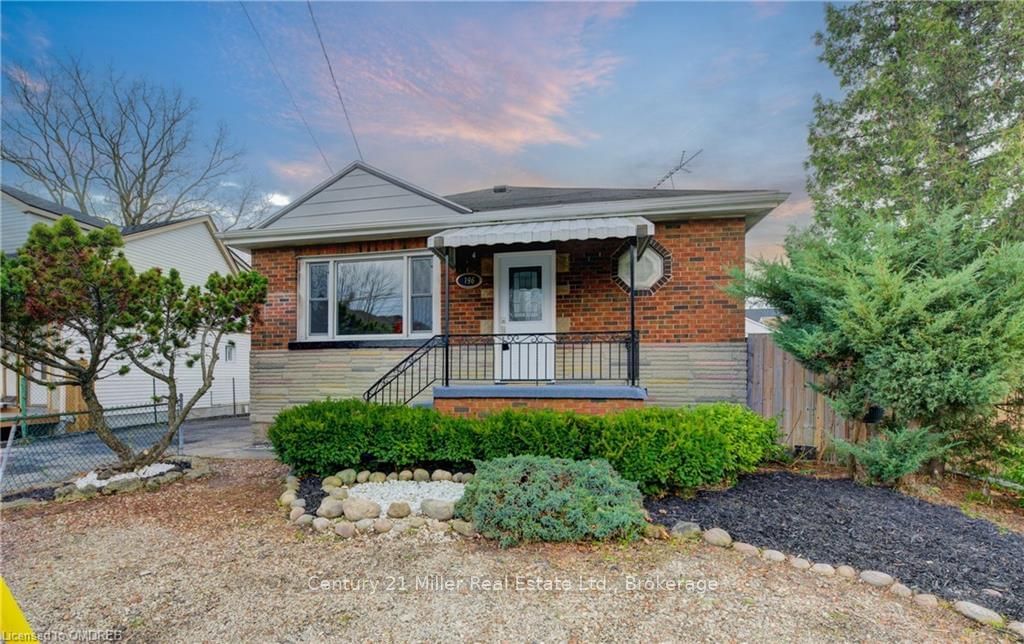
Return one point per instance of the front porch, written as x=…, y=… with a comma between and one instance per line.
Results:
x=533, y=330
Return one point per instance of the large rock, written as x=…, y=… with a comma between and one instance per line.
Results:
x=296, y=513
x=926, y=599
x=405, y=475
x=339, y=493
x=304, y=520
x=356, y=509
x=979, y=613
x=365, y=525
x=420, y=474
x=465, y=528
x=846, y=571
x=823, y=569
x=718, y=537
x=299, y=503
x=773, y=555
x=286, y=498
x=417, y=522
x=123, y=485
x=393, y=476
x=686, y=529
x=467, y=477
x=345, y=529
x=330, y=481
x=381, y=526
x=746, y=549
x=900, y=590
x=363, y=476
x=441, y=475
x=399, y=510
x=321, y=524
x=876, y=578
x=440, y=510
x=174, y=475
x=331, y=508
x=799, y=563
x=347, y=477
x=1016, y=627
x=378, y=477
x=651, y=531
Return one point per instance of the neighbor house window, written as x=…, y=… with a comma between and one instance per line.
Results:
x=229, y=352
x=349, y=297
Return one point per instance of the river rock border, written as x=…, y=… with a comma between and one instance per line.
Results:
x=188, y=468
x=349, y=517
x=883, y=581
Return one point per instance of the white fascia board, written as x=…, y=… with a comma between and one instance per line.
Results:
x=753, y=205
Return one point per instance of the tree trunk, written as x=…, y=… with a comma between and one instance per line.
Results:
x=98, y=422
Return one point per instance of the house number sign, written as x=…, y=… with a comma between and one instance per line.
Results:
x=469, y=280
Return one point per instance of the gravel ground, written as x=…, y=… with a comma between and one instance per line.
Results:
x=412, y=492
x=933, y=548
x=215, y=560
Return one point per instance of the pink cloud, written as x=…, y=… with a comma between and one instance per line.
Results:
x=768, y=8
x=499, y=81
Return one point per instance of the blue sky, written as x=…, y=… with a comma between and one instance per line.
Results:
x=459, y=96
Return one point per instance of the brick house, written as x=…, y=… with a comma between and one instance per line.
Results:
x=508, y=296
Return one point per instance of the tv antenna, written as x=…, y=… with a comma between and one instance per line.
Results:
x=679, y=167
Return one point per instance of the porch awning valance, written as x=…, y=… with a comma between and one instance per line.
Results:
x=543, y=231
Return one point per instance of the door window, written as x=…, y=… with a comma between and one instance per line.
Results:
x=525, y=294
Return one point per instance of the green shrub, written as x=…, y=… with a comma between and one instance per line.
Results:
x=660, y=449
x=537, y=498
x=540, y=432
x=895, y=452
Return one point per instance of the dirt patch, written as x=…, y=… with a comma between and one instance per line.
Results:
x=934, y=548
x=215, y=559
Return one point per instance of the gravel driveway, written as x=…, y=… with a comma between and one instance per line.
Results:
x=214, y=560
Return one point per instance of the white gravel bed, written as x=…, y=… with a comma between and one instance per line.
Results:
x=156, y=469
x=412, y=492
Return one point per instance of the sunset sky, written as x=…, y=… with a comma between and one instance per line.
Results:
x=459, y=96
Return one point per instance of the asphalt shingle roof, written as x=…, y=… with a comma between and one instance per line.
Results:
x=527, y=197
x=138, y=228
x=52, y=206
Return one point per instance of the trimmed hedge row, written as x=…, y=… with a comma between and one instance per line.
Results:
x=660, y=449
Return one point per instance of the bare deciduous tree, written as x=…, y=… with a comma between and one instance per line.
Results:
x=118, y=148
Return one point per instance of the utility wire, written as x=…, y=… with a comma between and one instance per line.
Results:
x=287, y=89
x=330, y=68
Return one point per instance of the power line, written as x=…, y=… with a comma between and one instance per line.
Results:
x=287, y=89
x=334, y=80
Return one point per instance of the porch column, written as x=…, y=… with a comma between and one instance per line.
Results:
x=633, y=363
x=447, y=315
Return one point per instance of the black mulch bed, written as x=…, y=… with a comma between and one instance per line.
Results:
x=309, y=489
x=931, y=548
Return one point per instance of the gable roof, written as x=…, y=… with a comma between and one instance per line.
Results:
x=52, y=207
x=511, y=197
x=369, y=169
x=153, y=225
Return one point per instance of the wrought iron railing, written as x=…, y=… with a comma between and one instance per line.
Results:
x=510, y=357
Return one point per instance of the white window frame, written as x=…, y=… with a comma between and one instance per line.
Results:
x=302, y=300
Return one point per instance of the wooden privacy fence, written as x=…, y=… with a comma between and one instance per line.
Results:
x=778, y=386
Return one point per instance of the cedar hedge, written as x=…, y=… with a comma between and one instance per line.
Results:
x=660, y=449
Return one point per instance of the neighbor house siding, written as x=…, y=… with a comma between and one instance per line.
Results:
x=15, y=224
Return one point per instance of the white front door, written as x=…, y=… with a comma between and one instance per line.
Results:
x=524, y=303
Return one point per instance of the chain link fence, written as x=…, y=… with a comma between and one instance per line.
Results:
x=46, y=448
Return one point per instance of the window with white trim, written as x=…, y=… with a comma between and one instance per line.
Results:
x=353, y=297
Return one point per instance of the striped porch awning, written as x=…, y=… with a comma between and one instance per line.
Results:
x=543, y=231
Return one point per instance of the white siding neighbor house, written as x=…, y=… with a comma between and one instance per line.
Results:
x=191, y=246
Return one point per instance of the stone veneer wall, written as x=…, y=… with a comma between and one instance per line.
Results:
x=674, y=375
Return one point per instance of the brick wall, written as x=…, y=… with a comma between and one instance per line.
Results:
x=688, y=308
x=277, y=323
x=485, y=406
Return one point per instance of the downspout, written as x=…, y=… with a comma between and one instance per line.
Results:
x=633, y=362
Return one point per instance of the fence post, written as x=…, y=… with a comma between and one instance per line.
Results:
x=234, y=403
x=155, y=420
